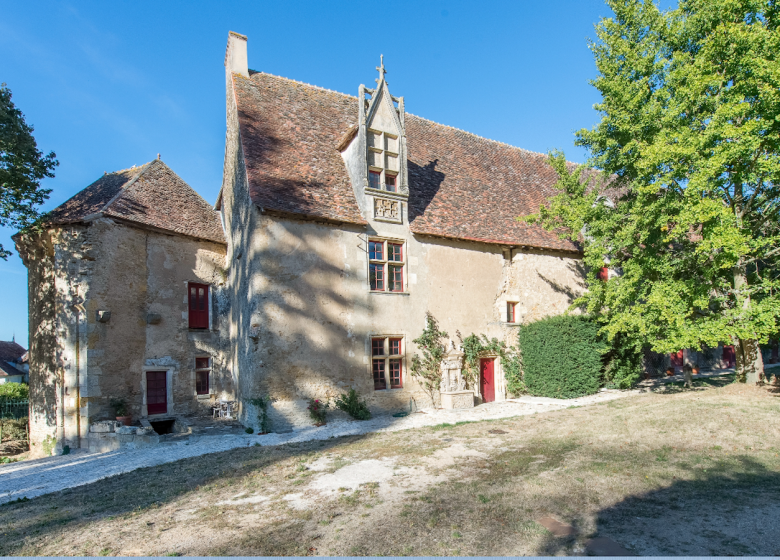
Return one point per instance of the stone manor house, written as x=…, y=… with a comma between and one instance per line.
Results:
x=341, y=221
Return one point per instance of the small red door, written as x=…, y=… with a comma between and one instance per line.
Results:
x=677, y=358
x=729, y=357
x=486, y=381
x=156, y=392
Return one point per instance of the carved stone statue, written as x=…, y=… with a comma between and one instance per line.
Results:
x=453, y=385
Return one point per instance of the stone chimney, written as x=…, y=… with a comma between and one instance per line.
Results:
x=235, y=55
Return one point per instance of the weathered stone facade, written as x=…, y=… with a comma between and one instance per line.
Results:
x=93, y=287
x=343, y=222
x=303, y=314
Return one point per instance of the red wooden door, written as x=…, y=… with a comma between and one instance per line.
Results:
x=729, y=357
x=156, y=392
x=677, y=358
x=486, y=381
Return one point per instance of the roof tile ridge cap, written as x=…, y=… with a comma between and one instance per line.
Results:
x=141, y=170
x=484, y=138
x=305, y=84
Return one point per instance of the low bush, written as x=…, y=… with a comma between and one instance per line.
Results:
x=318, y=411
x=13, y=430
x=352, y=405
x=562, y=356
x=14, y=392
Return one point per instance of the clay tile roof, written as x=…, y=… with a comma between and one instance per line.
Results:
x=289, y=134
x=11, y=351
x=460, y=185
x=152, y=195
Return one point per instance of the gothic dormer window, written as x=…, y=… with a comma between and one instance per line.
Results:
x=382, y=160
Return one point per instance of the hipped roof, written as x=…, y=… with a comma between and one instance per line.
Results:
x=151, y=195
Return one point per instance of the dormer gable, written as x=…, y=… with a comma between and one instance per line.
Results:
x=375, y=153
x=382, y=120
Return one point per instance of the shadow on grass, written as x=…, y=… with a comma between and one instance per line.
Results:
x=732, y=510
x=141, y=490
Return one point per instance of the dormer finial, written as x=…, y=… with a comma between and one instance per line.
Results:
x=381, y=68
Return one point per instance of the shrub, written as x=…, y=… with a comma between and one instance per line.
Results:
x=13, y=429
x=119, y=406
x=352, y=405
x=562, y=356
x=14, y=392
x=318, y=411
x=262, y=413
x=249, y=431
x=624, y=362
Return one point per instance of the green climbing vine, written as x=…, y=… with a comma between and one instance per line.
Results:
x=427, y=368
x=475, y=346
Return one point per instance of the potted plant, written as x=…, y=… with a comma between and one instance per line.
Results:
x=121, y=411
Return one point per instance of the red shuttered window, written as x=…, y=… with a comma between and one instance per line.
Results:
x=198, y=305
x=386, y=266
x=387, y=362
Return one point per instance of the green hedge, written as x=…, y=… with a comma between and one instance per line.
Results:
x=562, y=356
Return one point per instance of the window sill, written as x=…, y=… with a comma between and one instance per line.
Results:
x=389, y=194
x=393, y=390
x=389, y=293
x=203, y=397
x=513, y=324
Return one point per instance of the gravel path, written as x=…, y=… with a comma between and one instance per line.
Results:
x=28, y=479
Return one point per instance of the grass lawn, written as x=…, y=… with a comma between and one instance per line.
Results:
x=678, y=472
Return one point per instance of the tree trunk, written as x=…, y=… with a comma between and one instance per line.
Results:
x=750, y=363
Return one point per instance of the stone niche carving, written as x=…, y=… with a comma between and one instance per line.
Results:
x=387, y=209
x=453, y=391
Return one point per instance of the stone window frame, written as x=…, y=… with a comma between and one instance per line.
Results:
x=169, y=378
x=511, y=312
x=386, y=358
x=382, y=149
x=386, y=264
x=208, y=370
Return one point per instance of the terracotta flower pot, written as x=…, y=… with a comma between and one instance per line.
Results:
x=670, y=372
x=695, y=371
x=125, y=420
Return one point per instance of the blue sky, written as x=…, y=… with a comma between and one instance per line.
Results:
x=108, y=85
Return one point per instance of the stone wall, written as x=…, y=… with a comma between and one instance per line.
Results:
x=80, y=273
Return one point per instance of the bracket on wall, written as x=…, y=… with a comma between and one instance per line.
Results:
x=103, y=316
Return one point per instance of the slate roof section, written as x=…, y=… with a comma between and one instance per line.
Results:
x=152, y=195
x=460, y=185
x=11, y=351
x=7, y=370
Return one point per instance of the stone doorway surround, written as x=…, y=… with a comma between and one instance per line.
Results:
x=162, y=364
x=498, y=378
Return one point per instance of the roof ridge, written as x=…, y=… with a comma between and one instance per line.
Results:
x=123, y=189
x=413, y=115
x=304, y=84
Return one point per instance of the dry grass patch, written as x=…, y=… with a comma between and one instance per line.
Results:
x=684, y=472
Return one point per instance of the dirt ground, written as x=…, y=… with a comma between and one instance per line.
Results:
x=677, y=472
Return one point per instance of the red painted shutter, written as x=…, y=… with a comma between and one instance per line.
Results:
x=198, y=305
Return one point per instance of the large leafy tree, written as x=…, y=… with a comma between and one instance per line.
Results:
x=22, y=167
x=690, y=140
